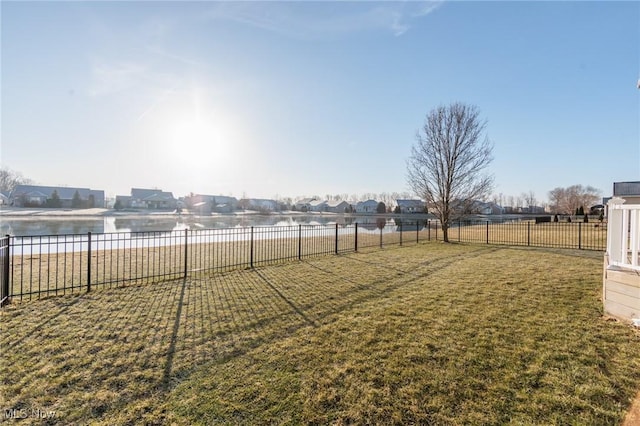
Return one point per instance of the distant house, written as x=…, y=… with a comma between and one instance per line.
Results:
x=147, y=199
x=304, y=204
x=480, y=207
x=629, y=191
x=337, y=206
x=318, y=206
x=69, y=197
x=205, y=204
x=411, y=206
x=369, y=206
x=4, y=198
x=259, y=204
x=533, y=210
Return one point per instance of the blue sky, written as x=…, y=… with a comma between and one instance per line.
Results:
x=303, y=98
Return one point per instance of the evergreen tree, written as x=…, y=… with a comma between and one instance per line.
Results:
x=54, y=201
x=76, y=202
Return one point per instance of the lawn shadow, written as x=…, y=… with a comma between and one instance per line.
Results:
x=117, y=352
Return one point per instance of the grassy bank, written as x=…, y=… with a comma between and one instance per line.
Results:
x=434, y=333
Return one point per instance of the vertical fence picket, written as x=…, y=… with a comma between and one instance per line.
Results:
x=251, y=250
x=88, y=262
x=579, y=235
x=186, y=253
x=5, y=246
x=356, y=238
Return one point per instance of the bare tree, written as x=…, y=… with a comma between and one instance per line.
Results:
x=9, y=179
x=498, y=199
x=530, y=198
x=447, y=162
x=568, y=200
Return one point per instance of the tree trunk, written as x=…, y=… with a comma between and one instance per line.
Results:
x=445, y=232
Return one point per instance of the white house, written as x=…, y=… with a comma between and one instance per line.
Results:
x=206, y=204
x=304, y=204
x=369, y=206
x=481, y=207
x=147, y=199
x=337, y=206
x=318, y=206
x=411, y=206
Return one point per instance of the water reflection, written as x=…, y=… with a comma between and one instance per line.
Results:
x=37, y=226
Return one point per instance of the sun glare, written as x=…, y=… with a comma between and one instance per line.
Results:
x=196, y=143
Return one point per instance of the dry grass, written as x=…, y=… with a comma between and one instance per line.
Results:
x=434, y=333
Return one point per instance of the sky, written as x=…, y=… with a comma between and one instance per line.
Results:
x=284, y=99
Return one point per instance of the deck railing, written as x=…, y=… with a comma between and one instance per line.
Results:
x=623, y=236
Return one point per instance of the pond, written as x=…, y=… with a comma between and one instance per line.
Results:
x=37, y=226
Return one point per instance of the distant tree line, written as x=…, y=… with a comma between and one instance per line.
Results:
x=9, y=179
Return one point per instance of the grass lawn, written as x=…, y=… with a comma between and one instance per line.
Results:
x=429, y=334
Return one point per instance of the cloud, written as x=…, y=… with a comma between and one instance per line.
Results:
x=308, y=20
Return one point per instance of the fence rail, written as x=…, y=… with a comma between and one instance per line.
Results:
x=40, y=266
x=623, y=243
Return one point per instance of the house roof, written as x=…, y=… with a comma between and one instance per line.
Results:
x=410, y=203
x=162, y=196
x=336, y=203
x=626, y=188
x=145, y=194
x=305, y=201
x=64, y=192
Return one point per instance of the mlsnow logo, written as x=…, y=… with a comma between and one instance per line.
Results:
x=28, y=413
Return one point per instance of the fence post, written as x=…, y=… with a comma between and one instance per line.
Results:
x=417, y=231
x=299, y=242
x=428, y=230
x=88, y=261
x=380, y=237
x=487, y=232
x=459, y=229
x=5, y=272
x=356, y=241
x=251, y=250
x=336, y=238
x=436, y=228
x=401, y=234
x=528, y=234
x=579, y=235
x=186, y=252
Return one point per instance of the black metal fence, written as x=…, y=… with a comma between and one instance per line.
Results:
x=39, y=266
x=570, y=235
x=5, y=260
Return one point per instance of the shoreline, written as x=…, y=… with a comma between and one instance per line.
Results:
x=97, y=213
x=16, y=213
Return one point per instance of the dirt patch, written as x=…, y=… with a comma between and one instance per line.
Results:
x=633, y=416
